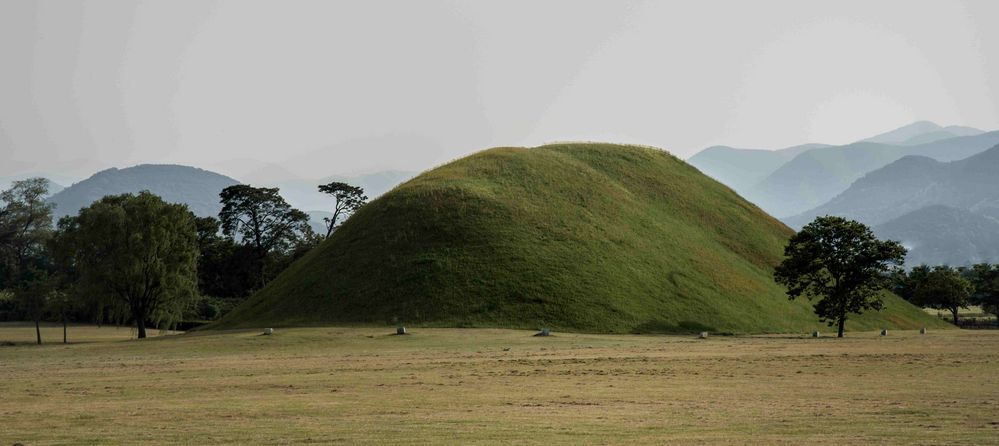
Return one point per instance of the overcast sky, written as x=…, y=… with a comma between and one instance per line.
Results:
x=316, y=88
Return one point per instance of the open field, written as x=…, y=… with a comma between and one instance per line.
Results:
x=24, y=333
x=453, y=386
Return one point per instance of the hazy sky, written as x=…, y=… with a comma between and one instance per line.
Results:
x=315, y=88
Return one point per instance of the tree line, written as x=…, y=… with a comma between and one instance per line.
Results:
x=948, y=288
x=845, y=268
x=136, y=259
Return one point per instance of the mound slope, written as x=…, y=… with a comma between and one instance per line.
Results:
x=584, y=237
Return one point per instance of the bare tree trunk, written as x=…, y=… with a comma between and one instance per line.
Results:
x=953, y=311
x=38, y=332
x=64, y=329
x=842, y=321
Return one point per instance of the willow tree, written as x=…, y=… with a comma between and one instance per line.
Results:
x=25, y=226
x=136, y=256
x=841, y=263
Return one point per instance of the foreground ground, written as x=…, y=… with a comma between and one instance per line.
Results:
x=362, y=386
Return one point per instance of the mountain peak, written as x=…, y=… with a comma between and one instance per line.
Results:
x=197, y=188
x=905, y=133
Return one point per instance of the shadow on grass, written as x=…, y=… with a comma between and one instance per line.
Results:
x=658, y=326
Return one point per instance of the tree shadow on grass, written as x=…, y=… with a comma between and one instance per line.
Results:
x=658, y=326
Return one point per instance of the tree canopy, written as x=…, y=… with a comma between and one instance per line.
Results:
x=985, y=279
x=136, y=256
x=225, y=269
x=841, y=263
x=347, y=200
x=944, y=288
x=25, y=227
x=262, y=219
x=905, y=283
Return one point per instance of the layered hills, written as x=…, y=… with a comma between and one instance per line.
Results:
x=741, y=169
x=915, y=182
x=921, y=132
x=946, y=213
x=816, y=176
x=586, y=237
x=943, y=235
x=790, y=181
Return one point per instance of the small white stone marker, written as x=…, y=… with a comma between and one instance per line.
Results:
x=922, y=330
x=704, y=335
x=268, y=331
x=400, y=331
x=544, y=332
x=884, y=332
x=816, y=334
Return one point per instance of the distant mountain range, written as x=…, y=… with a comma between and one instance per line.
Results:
x=937, y=235
x=744, y=168
x=915, y=182
x=934, y=188
x=198, y=189
x=922, y=132
x=944, y=212
x=814, y=174
x=818, y=175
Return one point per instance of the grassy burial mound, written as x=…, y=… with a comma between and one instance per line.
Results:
x=586, y=237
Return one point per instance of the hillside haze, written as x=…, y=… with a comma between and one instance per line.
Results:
x=198, y=189
x=946, y=213
x=906, y=133
x=816, y=176
x=789, y=181
x=914, y=182
x=943, y=235
x=589, y=237
x=741, y=169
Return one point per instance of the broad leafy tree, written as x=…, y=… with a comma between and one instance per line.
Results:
x=347, y=200
x=136, y=256
x=225, y=269
x=25, y=227
x=985, y=279
x=945, y=289
x=842, y=264
x=260, y=218
x=905, y=283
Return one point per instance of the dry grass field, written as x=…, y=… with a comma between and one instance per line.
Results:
x=453, y=386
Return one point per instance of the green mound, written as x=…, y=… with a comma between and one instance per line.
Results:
x=583, y=237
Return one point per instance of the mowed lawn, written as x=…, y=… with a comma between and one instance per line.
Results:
x=456, y=386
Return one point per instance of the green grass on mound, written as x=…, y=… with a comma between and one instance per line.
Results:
x=585, y=237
